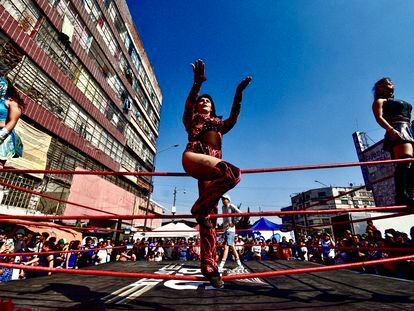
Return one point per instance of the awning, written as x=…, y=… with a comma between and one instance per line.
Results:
x=49, y=227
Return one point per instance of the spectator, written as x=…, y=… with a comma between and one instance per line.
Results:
x=160, y=251
x=239, y=245
x=42, y=238
x=72, y=258
x=19, y=241
x=328, y=249
x=303, y=250
x=7, y=247
x=109, y=249
x=88, y=257
x=286, y=250
x=295, y=249
x=256, y=250
x=102, y=254
x=42, y=260
x=169, y=250
x=157, y=257
x=182, y=250
x=3, y=237
x=60, y=259
x=370, y=226
x=127, y=254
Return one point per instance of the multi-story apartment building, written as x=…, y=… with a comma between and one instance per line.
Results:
x=320, y=199
x=92, y=102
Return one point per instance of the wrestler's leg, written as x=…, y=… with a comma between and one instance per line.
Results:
x=403, y=178
x=215, y=177
x=208, y=245
x=200, y=166
x=223, y=176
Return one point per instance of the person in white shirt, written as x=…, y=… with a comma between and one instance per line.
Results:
x=239, y=244
x=229, y=232
x=102, y=254
x=257, y=250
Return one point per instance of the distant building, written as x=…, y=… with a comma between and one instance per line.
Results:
x=319, y=197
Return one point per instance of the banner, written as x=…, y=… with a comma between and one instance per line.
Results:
x=35, y=147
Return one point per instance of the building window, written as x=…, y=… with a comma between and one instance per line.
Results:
x=41, y=89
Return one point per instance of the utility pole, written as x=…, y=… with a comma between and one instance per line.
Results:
x=147, y=207
x=174, y=209
x=305, y=215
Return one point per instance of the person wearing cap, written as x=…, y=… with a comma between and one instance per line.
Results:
x=60, y=259
x=19, y=241
x=229, y=226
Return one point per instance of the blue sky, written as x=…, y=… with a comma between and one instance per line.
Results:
x=313, y=65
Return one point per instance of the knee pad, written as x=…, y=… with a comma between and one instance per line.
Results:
x=229, y=171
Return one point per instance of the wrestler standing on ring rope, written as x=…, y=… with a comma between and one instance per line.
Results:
x=202, y=160
x=394, y=116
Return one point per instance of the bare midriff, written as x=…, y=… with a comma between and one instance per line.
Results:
x=2, y=124
x=211, y=138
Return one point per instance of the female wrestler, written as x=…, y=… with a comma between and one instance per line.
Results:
x=394, y=116
x=10, y=112
x=202, y=160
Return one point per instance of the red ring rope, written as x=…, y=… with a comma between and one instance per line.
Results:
x=195, y=278
x=361, y=248
x=246, y=171
x=398, y=208
x=58, y=252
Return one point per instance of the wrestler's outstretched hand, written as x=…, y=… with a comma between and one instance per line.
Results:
x=243, y=84
x=199, y=71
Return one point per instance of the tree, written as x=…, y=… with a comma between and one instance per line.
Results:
x=244, y=222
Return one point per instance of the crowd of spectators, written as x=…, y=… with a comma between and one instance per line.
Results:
x=316, y=247
x=20, y=242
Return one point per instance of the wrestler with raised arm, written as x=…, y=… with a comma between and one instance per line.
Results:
x=202, y=160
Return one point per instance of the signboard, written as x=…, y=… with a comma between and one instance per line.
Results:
x=384, y=192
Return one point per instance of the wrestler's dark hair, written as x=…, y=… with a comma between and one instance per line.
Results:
x=213, y=107
x=14, y=94
x=375, y=89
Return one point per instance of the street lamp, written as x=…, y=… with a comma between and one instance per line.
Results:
x=321, y=183
x=149, y=192
x=172, y=146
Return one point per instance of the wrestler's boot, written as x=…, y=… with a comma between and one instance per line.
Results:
x=403, y=178
x=208, y=254
x=228, y=176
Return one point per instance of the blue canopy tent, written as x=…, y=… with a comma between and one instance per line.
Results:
x=262, y=224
